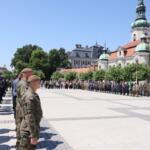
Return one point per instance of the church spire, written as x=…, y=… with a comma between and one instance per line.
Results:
x=141, y=10
x=141, y=25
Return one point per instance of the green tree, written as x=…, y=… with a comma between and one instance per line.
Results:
x=58, y=59
x=57, y=75
x=64, y=60
x=70, y=76
x=133, y=71
x=143, y=72
x=99, y=75
x=8, y=74
x=86, y=76
x=39, y=73
x=22, y=57
x=39, y=62
x=128, y=72
x=115, y=73
x=54, y=60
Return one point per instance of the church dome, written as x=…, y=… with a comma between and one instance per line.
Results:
x=104, y=57
x=142, y=47
x=140, y=23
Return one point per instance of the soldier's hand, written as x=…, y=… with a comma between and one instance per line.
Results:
x=34, y=141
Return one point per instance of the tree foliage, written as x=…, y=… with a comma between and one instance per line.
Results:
x=86, y=76
x=70, y=76
x=22, y=57
x=8, y=74
x=42, y=62
x=39, y=73
x=57, y=75
x=115, y=73
x=58, y=59
x=129, y=73
x=99, y=75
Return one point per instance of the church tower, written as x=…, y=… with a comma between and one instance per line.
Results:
x=140, y=26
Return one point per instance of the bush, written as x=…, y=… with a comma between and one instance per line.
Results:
x=86, y=76
x=57, y=75
x=99, y=75
x=70, y=76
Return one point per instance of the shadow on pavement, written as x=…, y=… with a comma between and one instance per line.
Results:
x=45, y=140
x=4, y=139
x=6, y=110
x=6, y=147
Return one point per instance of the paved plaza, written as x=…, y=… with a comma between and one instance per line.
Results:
x=83, y=120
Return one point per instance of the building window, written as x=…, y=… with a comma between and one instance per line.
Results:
x=86, y=55
x=125, y=53
x=120, y=53
x=134, y=37
x=77, y=55
x=146, y=34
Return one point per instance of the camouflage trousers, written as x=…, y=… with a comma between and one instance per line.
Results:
x=25, y=144
x=18, y=124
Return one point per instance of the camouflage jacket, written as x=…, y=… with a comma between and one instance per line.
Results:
x=21, y=89
x=32, y=113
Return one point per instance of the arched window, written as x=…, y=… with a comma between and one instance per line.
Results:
x=134, y=37
x=146, y=33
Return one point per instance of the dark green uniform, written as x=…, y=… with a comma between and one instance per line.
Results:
x=30, y=125
x=21, y=90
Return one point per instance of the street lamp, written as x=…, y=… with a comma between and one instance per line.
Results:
x=137, y=62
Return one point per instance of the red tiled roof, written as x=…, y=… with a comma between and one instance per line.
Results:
x=78, y=70
x=130, y=50
x=131, y=44
x=113, y=55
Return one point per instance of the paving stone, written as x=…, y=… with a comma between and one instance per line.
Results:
x=49, y=138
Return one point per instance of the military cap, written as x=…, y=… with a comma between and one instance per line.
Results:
x=25, y=70
x=33, y=78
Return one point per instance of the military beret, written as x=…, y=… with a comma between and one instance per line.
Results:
x=33, y=78
x=25, y=70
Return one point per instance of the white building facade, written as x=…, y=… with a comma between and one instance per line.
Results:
x=136, y=50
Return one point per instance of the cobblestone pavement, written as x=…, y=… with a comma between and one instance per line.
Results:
x=86, y=120
x=49, y=138
x=98, y=121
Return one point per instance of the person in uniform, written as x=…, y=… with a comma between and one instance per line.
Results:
x=32, y=112
x=22, y=87
x=1, y=88
x=14, y=92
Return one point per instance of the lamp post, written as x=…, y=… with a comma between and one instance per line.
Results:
x=137, y=62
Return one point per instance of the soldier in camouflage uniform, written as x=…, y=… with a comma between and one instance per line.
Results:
x=32, y=112
x=22, y=87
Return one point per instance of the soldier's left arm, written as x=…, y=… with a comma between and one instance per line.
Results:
x=31, y=118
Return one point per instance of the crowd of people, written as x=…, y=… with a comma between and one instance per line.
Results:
x=122, y=88
x=27, y=108
x=4, y=85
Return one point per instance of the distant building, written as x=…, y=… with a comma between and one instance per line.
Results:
x=136, y=51
x=82, y=57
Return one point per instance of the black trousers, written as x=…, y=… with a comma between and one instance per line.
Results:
x=14, y=105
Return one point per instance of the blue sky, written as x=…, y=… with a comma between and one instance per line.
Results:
x=63, y=23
